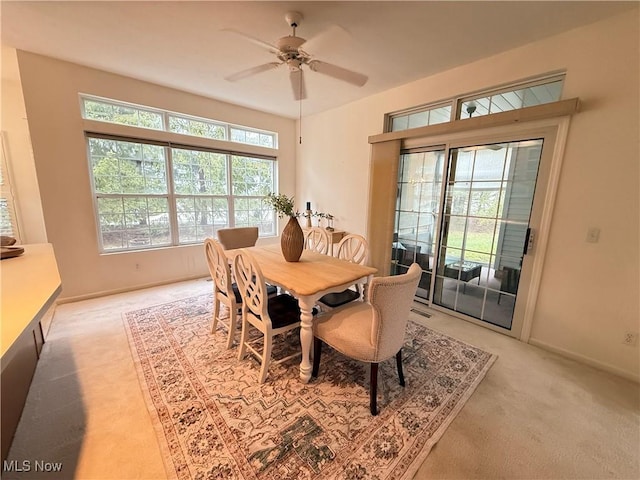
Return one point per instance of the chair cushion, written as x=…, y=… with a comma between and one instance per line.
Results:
x=236, y=292
x=348, y=330
x=284, y=310
x=271, y=290
x=338, y=299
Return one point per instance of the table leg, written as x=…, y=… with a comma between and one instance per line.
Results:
x=306, y=336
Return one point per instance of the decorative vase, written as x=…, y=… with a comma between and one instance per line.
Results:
x=292, y=240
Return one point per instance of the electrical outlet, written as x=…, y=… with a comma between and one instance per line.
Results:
x=630, y=339
x=593, y=235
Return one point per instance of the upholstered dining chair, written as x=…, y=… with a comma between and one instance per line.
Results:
x=370, y=331
x=317, y=239
x=237, y=237
x=352, y=248
x=270, y=315
x=241, y=237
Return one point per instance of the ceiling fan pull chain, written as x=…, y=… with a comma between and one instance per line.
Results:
x=300, y=113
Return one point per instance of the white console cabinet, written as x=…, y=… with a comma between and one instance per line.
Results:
x=29, y=286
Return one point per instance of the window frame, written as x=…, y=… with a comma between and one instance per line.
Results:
x=166, y=116
x=456, y=102
x=546, y=80
x=7, y=191
x=171, y=195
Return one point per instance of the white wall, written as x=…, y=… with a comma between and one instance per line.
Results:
x=51, y=89
x=589, y=293
x=17, y=144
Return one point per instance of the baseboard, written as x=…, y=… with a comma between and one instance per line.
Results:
x=105, y=293
x=586, y=360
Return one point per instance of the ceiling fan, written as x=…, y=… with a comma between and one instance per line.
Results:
x=288, y=50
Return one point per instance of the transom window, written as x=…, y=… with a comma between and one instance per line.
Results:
x=512, y=97
x=421, y=117
x=156, y=195
x=113, y=111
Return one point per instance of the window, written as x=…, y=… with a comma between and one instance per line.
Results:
x=154, y=195
x=112, y=111
x=8, y=220
x=197, y=127
x=165, y=190
x=512, y=97
x=420, y=118
x=122, y=114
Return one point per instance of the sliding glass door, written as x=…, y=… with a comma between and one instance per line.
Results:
x=464, y=213
x=417, y=214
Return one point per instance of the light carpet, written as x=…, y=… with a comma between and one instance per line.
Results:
x=213, y=419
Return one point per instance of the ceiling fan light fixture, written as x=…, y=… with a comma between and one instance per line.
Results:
x=471, y=108
x=294, y=64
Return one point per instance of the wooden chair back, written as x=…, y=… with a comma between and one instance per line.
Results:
x=353, y=248
x=218, y=266
x=318, y=240
x=251, y=285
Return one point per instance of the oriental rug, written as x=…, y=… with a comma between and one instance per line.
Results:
x=214, y=420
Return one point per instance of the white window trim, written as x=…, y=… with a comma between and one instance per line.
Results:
x=160, y=136
x=171, y=196
x=457, y=101
x=7, y=190
x=165, y=114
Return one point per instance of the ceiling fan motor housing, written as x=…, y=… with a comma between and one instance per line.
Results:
x=290, y=43
x=290, y=53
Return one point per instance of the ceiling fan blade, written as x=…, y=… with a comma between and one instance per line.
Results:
x=297, y=84
x=333, y=37
x=252, y=71
x=340, y=73
x=256, y=41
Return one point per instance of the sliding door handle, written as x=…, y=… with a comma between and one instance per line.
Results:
x=528, y=241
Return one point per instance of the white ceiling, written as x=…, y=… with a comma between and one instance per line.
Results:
x=183, y=45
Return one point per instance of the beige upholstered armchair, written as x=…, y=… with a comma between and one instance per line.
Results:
x=370, y=331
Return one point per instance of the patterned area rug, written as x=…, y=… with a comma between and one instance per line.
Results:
x=214, y=420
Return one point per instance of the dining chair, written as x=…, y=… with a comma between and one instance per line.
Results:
x=224, y=290
x=371, y=331
x=237, y=237
x=317, y=239
x=352, y=248
x=241, y=237
x=270, y=315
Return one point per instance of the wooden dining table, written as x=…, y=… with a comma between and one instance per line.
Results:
x=308, y=279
